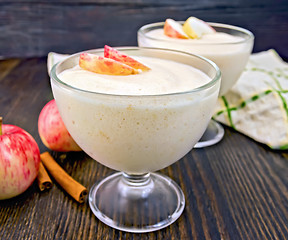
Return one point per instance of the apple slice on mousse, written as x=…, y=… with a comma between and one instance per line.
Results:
x=195, y=28
x=102, y=65
x=114, y=54
x=174, y=29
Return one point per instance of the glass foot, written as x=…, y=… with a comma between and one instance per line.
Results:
x=212, y=135
x=137, y=203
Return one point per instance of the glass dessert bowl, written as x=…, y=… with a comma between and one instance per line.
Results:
x=229, y=48
x=137, y=134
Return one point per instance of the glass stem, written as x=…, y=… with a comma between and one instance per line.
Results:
x=136, y=180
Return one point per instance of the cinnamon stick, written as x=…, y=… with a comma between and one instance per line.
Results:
x=44, y=181
x=72, y=187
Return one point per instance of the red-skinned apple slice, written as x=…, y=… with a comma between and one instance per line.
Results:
x=114, y=54
x=102, y=65
x=174, y=29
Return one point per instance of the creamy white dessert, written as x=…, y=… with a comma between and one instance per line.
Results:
x=230, y=51
x=166, y=77
x=133, y=123
x=216, y=37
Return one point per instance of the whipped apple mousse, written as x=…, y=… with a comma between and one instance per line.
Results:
x=166, y=77
x=228, y=46
x=137, y=120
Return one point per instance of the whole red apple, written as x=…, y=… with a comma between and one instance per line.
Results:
x=52, y=130
x=19, y=160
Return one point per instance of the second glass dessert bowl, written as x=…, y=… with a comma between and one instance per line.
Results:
x=230, y=54
x=137, y=135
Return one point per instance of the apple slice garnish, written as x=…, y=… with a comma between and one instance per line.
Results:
x=114, y=54
x=195, y=28
x=102, y=65
x=174, y=29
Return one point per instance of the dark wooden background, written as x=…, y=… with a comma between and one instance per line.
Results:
x=32, y=28
x=234, y=190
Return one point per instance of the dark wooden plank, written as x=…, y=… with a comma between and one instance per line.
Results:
x=33, y=28
x=236, y=189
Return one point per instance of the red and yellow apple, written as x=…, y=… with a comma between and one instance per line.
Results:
x=52, y=130
x=102, y=65
x=195, y=28
x=174, y=29
x=114, y=54
x=19, y=160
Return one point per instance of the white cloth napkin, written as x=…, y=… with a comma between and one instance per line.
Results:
x=257, y=104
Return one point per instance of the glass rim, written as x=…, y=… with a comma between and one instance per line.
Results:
x=250, y=35
x=211, y=83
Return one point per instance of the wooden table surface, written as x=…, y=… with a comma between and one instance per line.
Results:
x=236, y=189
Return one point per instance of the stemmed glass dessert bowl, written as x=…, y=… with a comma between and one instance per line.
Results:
x=230, y=54
x=137, y=135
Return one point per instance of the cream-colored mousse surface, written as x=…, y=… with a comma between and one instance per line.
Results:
x=217, y=37
x=164, y=77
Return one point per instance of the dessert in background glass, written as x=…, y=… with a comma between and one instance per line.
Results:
x=137, y=124
x=229, y=47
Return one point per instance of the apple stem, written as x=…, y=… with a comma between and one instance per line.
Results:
x=0, y=126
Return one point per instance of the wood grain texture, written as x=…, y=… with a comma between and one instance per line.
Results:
x=34, y=28
x=234, y=190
